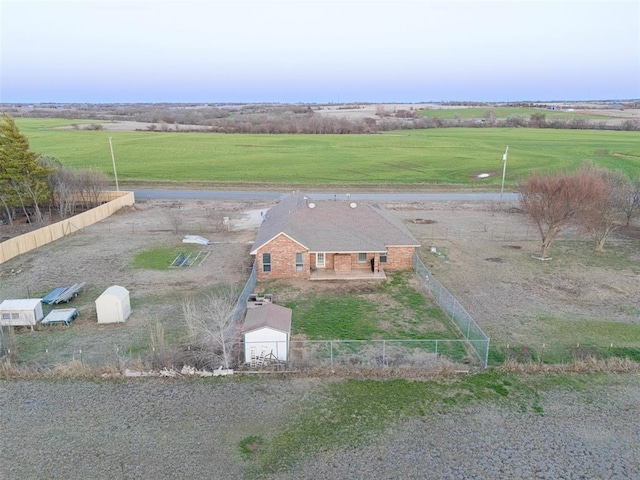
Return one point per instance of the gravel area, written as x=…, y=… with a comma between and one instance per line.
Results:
x=155, y=428
x=148, y=428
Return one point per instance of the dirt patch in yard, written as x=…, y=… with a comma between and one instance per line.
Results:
x=484, y=256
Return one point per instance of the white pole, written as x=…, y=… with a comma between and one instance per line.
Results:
x=113, y=159
x=504, y=170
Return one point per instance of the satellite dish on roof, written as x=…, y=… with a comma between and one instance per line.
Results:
x=312, y=205
x=353, y=204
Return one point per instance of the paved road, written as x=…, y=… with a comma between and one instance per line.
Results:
x=382, y=197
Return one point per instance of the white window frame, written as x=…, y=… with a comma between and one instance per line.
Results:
x=321, y=263
x=266, y=267
x=383, y=257
x=299, y=264
x=362, y=257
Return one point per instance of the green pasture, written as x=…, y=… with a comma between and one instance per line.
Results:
x=452, y=156
x=501, y=113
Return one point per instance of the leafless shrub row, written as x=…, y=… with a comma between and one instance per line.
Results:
x=291, y=118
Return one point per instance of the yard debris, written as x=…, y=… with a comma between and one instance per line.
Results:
x=192, y=259
x=195, y=239
x=187, y=371
x=136, y=373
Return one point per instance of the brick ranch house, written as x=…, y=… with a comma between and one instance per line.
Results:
x=332, y=239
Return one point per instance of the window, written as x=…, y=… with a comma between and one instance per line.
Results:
x=6, y=316
x=362, y=258
x=320, y=262
x=383, y=257
x=299, y=262
x=266, y=262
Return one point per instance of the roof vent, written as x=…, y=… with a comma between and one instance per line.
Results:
x=353, y=204
x=311, y=205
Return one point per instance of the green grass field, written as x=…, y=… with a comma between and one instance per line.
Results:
x=501, y=113
x=453, y=156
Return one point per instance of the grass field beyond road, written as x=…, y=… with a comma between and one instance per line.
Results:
x=439, y=156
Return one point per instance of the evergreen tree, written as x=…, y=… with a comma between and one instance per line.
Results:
x=23, y=180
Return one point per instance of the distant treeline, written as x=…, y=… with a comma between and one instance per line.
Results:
x=289, y=119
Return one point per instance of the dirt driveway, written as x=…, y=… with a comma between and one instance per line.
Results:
x=482, y=255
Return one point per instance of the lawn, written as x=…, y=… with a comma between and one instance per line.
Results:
x=355, y=315
x=453, y=156
x=393, y=309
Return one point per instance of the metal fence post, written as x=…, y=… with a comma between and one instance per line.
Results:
x=384, y=357
x=331, y=354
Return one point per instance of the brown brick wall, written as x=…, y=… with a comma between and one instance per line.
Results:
x=342, y=262
x=283, y=259
x=399, y=258
x=283, y=251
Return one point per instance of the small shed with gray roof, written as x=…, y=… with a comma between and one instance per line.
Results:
x=332, y=239
x=266, y=332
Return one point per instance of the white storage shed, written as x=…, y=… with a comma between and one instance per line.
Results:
x=266, y=333
x=113, y=305
x=22, y=312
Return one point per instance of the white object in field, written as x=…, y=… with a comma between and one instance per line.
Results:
x=21, y=312
x=195, y=239
x=114, y=305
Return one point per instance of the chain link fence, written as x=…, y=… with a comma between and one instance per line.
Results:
x=470, y=330
x=241, y=304
x=303, y=355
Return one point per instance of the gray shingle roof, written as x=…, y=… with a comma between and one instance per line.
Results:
x=334, y=226
x=268, y=315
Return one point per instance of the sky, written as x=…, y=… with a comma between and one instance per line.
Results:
x=322, y=51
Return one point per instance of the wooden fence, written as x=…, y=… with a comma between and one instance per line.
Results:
x=23, y=243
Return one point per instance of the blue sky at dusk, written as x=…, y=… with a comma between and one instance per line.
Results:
x=318, y=51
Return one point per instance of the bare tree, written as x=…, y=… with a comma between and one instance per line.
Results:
x=219, y=221
x=632, y=200
x=552, y=202
x=211, y=328
x=603, y=210
x=490, y=116
x=35, y=192
x=175, y=219
x=381, y=111
x=92, y=182
x=64, y=184
x=72, y=188
x=538, y=120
